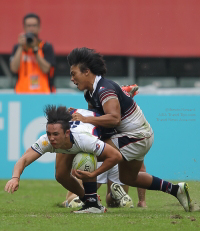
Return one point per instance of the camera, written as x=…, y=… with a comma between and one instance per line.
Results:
x=29, y=38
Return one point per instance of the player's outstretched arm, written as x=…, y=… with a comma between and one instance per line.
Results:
x=29, y=156
x=110, y=157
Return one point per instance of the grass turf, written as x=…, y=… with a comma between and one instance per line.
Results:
x=35, y=206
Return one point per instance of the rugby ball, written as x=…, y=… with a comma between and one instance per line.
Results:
x=85, y=162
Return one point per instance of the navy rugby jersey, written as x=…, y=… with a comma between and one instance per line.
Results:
x=106, y=89
x=132, y=117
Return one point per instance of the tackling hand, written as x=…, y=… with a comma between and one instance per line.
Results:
x=78, y=117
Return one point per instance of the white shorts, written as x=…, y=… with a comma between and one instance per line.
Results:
x=132, y=147
x=112, y=175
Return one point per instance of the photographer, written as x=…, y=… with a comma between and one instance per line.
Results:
x=33, y=60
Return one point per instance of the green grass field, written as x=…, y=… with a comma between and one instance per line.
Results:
x=35, y=207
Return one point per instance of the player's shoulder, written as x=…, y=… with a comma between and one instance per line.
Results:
x=108, y=88
x=44, y=137
x=42, y=145
x=106, y=82
x=43, y=140
x=106, y=85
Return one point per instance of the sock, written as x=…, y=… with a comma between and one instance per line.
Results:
x=66, y=203
x=83, y=199
x=165, y=186
x=90, y=192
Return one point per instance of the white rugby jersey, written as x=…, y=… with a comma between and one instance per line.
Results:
x=84, y=136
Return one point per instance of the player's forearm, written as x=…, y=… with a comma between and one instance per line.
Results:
x=106, y=165
x=107, y=120
x=110, y=157
x=15, y=62
x=29, y=156
x=44, y=65
x=19, y=168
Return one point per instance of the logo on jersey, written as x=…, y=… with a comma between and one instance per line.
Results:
x=97, y=147
x=101, y=89
x=36, y=147
x=44, y=143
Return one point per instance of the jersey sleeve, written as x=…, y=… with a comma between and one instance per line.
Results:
x=89, y=143
x=42, y=145
x=106, y=94
x=49, y=54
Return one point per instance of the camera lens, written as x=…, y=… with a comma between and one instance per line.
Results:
x=29, y=37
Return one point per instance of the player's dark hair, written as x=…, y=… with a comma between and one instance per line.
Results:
x=31, y=15
x=58, y=115
x=87, y=59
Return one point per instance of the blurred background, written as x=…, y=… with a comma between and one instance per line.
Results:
x=150, y=42
x=144, y=42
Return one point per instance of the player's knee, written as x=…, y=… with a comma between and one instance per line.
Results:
x=127, y=180
x=59, y=177
x=123, y=179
